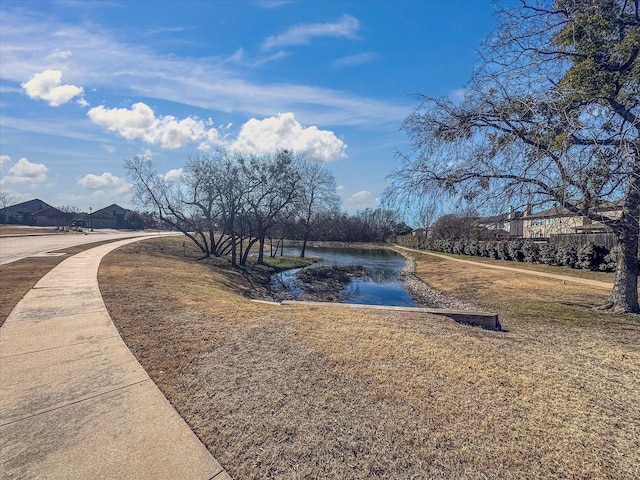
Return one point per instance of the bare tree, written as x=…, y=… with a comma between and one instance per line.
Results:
x=153, y=190
x=317, y=194
x=273, y=188
x=454, y=226
x=550, y=116
x=6, y=200
x=66, y=216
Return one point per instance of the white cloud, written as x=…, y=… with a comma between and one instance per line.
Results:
x=4, y=159
x=284, y=132
x=47, y=86
x=355, y=60
x=173, y=175
x=24, y=171
x=357, y=201
x=141, y=123
x=108, y=148
x=301, y=34
x=106, y=181
x=361, y=195
x=274, y=3
x=140, y=71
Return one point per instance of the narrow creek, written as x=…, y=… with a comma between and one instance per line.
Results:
x=379, y=282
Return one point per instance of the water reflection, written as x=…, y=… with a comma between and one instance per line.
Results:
x=380, y=286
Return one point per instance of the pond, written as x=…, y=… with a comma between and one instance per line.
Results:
x=380, y=285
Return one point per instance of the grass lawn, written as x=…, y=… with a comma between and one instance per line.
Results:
x=322, y=392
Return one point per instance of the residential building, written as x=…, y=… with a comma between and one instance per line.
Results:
x=112, y=216
x=558, y=220
x=33, y=212
x=503, y=225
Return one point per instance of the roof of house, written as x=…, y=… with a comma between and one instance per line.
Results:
x=501, y=217
x=50, y=212
x=28, y=207
x=560, y=211
x=107, y=212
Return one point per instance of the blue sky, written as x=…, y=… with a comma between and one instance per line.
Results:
x=84, y=85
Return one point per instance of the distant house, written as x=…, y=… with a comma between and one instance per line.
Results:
x=558, y=220
x=113, y=216
x=33, y=212
x=503, y=225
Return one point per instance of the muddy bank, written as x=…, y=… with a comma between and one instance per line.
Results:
x=320, y=284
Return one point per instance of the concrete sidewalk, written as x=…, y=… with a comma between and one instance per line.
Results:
x=74, y=401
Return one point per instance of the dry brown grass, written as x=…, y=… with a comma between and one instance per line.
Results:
x=536, y=267
x=320, y=392
x=27, y=230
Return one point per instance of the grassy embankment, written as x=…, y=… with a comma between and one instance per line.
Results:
x=320, y=392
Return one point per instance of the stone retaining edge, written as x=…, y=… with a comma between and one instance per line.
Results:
x=486, y=320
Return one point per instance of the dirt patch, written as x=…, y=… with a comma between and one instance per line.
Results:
x=325, y=392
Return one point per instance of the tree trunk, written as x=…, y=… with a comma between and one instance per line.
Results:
x=234, y=251
x=261, y=251
x=624, y=296
x=305, y=234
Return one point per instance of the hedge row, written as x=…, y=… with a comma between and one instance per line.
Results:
x=589, y=256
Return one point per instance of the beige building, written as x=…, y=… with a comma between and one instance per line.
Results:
x=558, y=220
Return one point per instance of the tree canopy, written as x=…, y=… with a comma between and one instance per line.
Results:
x=550, y=116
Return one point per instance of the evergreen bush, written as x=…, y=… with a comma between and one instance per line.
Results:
x=492, y=250
x=515, y=250
x=530, y=252
x=503, y=250
x=548, y=254
x=591, y=256
x=567, y=255
x=610, y=260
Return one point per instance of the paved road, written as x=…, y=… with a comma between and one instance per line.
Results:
x=15, y=248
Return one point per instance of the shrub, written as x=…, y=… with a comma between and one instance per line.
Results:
x=610, y=260
x=530, y=252
x=591, y=256
x=567, y=255
x=492, y=250
x=472, y=248
x=458, y=247
x=548, y=254
x=503, y=250
x=515, y=250
x=447, y=246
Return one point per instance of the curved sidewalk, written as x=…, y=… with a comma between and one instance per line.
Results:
x=74, y=401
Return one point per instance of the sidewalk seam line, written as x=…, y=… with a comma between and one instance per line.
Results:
x=68, y=404
x=98, y=309
x=96, y=340
x=218, y=474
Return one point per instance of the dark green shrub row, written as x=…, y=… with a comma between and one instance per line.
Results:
x=589, y=256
